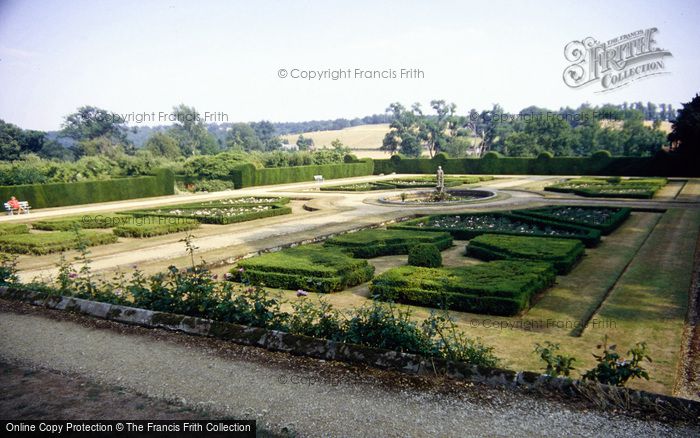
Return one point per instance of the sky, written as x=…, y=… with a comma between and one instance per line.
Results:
x=226, y=56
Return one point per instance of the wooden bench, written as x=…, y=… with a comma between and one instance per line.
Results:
x=24, y=208
x=318, y=178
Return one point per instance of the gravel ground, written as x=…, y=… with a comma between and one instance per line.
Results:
x=307, y=397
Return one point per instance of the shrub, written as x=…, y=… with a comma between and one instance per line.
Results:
x=641, y=188
x=7, y=229
x=57, y=241
x=498, y=288
x=375, y=243
x=605, y=219
x=156, y=227
x=220, y=215
x=615, y=370
x=309, y=267
x=601, y=155
x=466, y=226
x=556, y=364
x=89, y=192
x=426, y=255
x=562, y=253
x=86, y=222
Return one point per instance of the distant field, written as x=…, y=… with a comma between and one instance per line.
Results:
x=364, y=140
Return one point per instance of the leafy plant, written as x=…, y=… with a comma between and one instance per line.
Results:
x=426, y=255
x=557, y=364
x=612, y=369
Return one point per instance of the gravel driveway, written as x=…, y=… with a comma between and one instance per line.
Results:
x=308, y=397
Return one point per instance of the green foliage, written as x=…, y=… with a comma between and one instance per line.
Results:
x=309, y=267
x=306, y=173
x=8, y=269
x=375, y=242
x=466, y=226
x=161, y=144
x=612, y=369
x=605, y=219
x=562, y=253
x=57, y=241
x=686, y=130
x=89, y=192
x=497, y=288
x=85, y=221
x=426, y=255
x=642, y=188
x=154, y=226
x=10, y=228
x=217, y=214
x=556, y=364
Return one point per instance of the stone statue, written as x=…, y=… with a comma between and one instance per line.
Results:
x=440, y=180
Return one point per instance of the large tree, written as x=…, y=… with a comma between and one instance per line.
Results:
x=190, y=132
x=685, y=135
x=90, y=122
x=161, y=144
x=241, y=136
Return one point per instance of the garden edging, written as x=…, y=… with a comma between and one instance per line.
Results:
x=634, y=400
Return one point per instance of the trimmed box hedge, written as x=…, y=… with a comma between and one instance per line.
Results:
x=407, y=183
x=7, y=229
x=56, y=241
x=88, y=221
x=247, y=175
x=497, y=288
x=243, y=201
x=311, y=268
x=90, y=192
x=219, y=215
x=561, y=253
x=156, y=227
x=374, y=243
x=637, y=188
x=466, y=226
x=605, y=219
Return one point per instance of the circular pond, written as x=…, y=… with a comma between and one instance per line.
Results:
x=431, y=197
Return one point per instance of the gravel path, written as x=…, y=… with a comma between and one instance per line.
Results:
x=308, y=397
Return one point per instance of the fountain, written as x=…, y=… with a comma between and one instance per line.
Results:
x=439, y=196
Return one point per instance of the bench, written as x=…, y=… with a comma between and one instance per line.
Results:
x=318, y=178
x=24, y=208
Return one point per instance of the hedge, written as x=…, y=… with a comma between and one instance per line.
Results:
x=375, y=243
x=89, y=192
x=498, y=288
x=562, y=253
x=605, y=219
x=218, y=219
x=7, y=229
x=85, y=221
x=247, y=175
x=426, y=255
x=597, y=164
x=642, y=188
x=511, y=225
x=310, y=267
x=45, y=243
x=242, y=201
x=148, y=229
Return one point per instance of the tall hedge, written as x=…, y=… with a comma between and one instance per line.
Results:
x=162, y=182
x=597, y=164
x=247, y=175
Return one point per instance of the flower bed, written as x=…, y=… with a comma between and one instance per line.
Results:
x=156, y=227
x=235, y=202
x=407, y=183
x=218, y=215
x=605, y=219
x=45, y=243
x=308, y=267
x=497, y=288
x=562, y=253
x=469, y=225
x=374, y=243
x=640, y=188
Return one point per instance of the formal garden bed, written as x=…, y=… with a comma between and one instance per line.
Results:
x=408, y=183
x=469, y=225
x=147, y=226
x=9, y=229
x=378, y=242
x=605, y=219
x=220, y=215
x=309, y=268
x=498, y=288
x=56, y=241
x=561, y=253
x=615, y=187
x=86, y=221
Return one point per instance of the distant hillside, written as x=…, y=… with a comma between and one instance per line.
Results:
x=365, y=140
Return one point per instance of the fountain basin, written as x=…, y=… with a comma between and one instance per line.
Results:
x=426, y=197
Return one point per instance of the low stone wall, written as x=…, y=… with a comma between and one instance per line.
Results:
x=604, y=396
